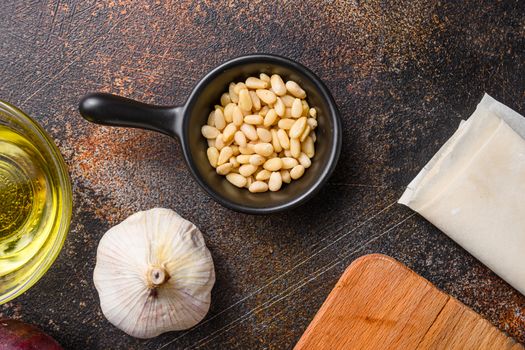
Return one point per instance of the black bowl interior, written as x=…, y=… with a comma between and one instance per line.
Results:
x=207, y=93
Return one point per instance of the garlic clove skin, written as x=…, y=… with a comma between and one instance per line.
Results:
x=154, y=274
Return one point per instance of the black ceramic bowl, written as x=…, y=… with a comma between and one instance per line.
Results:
x=185, y=123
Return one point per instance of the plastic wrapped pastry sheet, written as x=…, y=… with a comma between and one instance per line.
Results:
x=473, y=189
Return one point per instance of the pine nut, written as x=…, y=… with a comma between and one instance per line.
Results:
x=246, y=150
x=233, y=95
x=295, y=148
x=287, y=153
x=289, y=162
x=228, y=112
x=305, y=111
x=279, y=107
x=225, y=99
x=229, y=132
x=313, y=113
x=278, y=85
x=273, y=164
x=311, y=121
x=304, y=160
x=284, y=141
x=297, y=128
x=249, y=131
x=305, y=106
x=297, y=172
x=308, y=147
x=213, y=156
x=258, y=186
x=253, y=119
x=240, y=139
x=287, y=112
x=264, y=111
x=245, y=101
x=211, y=118
x=220, y=122
x=247, y=169
x=275, y=141
x=257, y=159
x=209, y=132
x=285, y=176
x=237, y=117
x=235, y=150
x=288, y=100
x=313, y=136
x=249, y=181
x=211, y=142
x=286, y=123
x=295, y=89
x=264, y=77
x=256, y=102
x=270, y=118
x=224, y=168
x=255, y=83
x=238, y=87
x=266, y=96
x=297, y=108
x=275, y=182
x=219, y=142
x=236, y=179
x=263, y=175
x=244, y=158
x=305, y=133
x=264, y=135
x=264, y=149
x=224, y=155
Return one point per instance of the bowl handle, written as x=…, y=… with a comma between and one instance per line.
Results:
x=107, y=109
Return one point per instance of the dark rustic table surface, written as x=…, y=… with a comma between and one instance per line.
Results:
x=403, y=73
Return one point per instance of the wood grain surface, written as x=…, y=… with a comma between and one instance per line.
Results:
x=403, y=73
x=378, y=303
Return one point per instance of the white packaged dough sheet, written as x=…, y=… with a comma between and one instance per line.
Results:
x=473, y=189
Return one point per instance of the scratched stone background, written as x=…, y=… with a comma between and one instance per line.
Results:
x=403, y=73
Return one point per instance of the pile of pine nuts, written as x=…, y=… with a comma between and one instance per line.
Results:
x=262, y=134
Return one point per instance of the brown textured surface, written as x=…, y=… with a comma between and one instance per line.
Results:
x=403, y=76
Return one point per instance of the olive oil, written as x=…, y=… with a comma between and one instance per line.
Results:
x=29, y=206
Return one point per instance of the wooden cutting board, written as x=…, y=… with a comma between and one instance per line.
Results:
x=381, y=304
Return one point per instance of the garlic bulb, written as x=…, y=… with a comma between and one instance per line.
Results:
x=154, y=274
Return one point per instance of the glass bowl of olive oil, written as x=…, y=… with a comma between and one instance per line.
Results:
x=35, y=202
